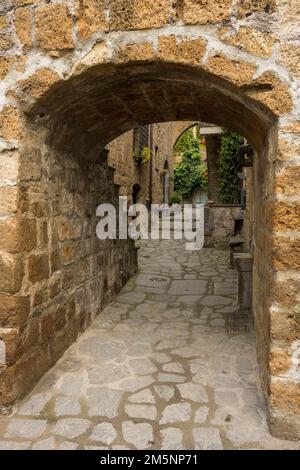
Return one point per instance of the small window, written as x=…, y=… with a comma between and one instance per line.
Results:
x=140, y=139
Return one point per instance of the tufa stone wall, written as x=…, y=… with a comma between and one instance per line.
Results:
x=129, y=173
x=84, y=72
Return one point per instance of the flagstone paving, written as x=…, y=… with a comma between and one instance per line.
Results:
x=158, y=369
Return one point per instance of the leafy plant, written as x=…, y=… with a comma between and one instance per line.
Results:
x=191, y=172
x=143, y=156
x=185, y=141
x=229, y=162
x=175, y=198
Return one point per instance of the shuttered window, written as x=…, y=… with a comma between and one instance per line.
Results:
x=140, y=138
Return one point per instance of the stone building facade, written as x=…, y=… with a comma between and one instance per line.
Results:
x=75, y=74
x=146, y=183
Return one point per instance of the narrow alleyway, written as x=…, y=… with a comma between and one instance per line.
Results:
x=163, y=367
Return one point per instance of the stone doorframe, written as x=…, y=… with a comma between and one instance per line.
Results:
x=68, y=92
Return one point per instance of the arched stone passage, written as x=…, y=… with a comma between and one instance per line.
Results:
x=63, y=100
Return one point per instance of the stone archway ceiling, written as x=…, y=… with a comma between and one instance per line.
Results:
x=87, y=111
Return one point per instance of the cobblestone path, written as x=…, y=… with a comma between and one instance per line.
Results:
x=158, y=369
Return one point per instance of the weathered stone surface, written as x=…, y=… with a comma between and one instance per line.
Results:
x=12, y=445
x=5, y=43
x=280, y=362
x=172, y=439
x=18, y=235
x=284, y=216
x=34, y=405
x=141, y=411
x=39, y=82
x=272, y=92
x=142, y=52
x=23, y=24
x=10, y=124
x=103, y=402
x=54, y=27
x=286, y=253
x=178, y=412
x=38, y=268
x=207, y=439
x=285, y=395
x=201, y=415
x=98, y=55
x=67, y=406
x=287, y=181
x=71, y=427
x=205, y=11
x=46, y=444
x=5, y=66
x=136, y=14
x=284, y=326
x=14, y=311
x=11, y=273
x=145, y=396
x=250, y=39
x=290, y=57
x=189, y=51
x=164, y=391
x=91, y=17
x=139, y=435
x=250, y=7
x=236, y=71
x=193, y=392
x=26, y=428
x=104, y=432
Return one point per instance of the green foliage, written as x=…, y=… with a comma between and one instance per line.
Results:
x=191, y=173
x=229, y=162
x=185, y=141
x=143, y=156
x=175, y=198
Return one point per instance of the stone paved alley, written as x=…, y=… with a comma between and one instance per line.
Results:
x=158, y=369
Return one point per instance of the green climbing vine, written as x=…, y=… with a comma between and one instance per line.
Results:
x=191, y=173
x=229, y=161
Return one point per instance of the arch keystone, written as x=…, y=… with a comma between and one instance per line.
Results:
x=188, y=51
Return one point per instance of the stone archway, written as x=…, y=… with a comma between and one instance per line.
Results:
x=66, y=100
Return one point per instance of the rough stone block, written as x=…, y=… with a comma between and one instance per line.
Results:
x=39, y=83
x=249, y=39
x=285, y=396
x=14, y=311
x=189, y=51
x=205, y=11
x=287, y=181
x=9, y=197
x=285, y=253
x=138, y=14
x=272, y=92
x=283, y=216
x=10, y=124
x=17, y=235
x=91, y=17
x=280, y=362
x=54, y=27
x=5, y=66
x=38, y=268
x=247, y=8
x=23, y=25
x=290, y=57
x=10, y=338
x=142, y=52
x=11, y=273
x=236, y=71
